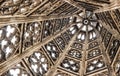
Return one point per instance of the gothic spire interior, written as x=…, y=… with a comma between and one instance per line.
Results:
x=59, y=37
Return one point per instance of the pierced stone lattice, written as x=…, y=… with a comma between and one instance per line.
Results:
x=17, y=70
x=10, y=7
x=9, y=41
x=95, y=64
x=38, y=63
x=32, y=33
x=70, y=65
x=52, y=50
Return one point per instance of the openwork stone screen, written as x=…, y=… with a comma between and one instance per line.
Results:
x=58, y=38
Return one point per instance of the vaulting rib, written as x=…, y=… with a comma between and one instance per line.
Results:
x=23, y=19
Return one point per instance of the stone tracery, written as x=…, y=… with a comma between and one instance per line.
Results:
x=65, y=39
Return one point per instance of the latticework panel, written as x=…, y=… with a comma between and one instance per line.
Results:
x=10, y=41
x=57, y=38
